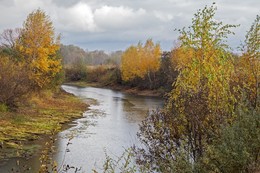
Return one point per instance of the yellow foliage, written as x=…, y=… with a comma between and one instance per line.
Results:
x=203, y=96
x=205, y=67
x=249, y=64
x=128, y=65
x=38, y=47
x=209, y=74
x=139, y=61
x=248, y=77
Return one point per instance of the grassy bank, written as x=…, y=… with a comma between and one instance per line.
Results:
x=40, y=115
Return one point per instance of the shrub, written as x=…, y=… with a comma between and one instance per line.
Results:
x=14, y=80
x=237, y=149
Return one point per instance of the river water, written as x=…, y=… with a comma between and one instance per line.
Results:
x=109, y=126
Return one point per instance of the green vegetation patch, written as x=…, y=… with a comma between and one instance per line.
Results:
x=41, y=114
x=3, y=108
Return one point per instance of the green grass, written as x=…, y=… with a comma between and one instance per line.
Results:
x=40, y=115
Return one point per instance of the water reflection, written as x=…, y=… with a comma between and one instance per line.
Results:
x=111, y=124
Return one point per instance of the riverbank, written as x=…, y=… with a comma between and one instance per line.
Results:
x=36, y=117
x=122, y=88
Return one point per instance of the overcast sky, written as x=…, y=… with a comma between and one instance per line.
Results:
x=116, y=24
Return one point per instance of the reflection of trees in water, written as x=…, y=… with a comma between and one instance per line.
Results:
x=134, y=110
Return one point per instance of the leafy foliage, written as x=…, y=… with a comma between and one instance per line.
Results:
x=237, y=149
x=204, y=128
x=140, y=61
x=248, y=67
x=15, y=83
x=167, y=73
x=202, y=99
x=38, y=47
x=29, y=59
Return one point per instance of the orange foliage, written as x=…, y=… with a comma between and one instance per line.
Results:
x=139, y=61
x=38, y=47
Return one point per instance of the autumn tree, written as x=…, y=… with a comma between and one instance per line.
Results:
x=205, y=64
x=202, y=99
x=248, y=68
x=141, y=61
x=29, y=58
x=38, y=48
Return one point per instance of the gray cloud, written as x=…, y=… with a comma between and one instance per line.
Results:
x=7, y=3
x=65, y=3
x=115, y=24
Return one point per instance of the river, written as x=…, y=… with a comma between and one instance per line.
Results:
x=108, y=126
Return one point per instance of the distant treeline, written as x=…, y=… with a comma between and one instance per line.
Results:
x=73, y=55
